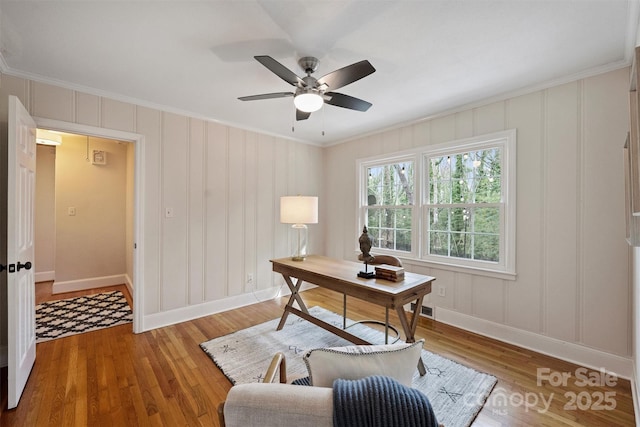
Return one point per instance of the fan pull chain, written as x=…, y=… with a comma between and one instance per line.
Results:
x=322, y=119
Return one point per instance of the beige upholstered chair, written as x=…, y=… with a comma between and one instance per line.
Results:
x=279, y=404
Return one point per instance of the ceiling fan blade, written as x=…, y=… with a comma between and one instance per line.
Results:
x=266, y=96
x=280, y=70
x=346, y=101
x=301, y=115
x=346, y=75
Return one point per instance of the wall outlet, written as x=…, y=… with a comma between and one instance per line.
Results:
x=168, y=213
x=442, y=291
x=249, y=278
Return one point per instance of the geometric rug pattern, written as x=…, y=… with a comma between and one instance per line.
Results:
x=456, y=392
x=57, y=319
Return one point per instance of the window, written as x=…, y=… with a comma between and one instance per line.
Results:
x=389, y=208
x=451, y=204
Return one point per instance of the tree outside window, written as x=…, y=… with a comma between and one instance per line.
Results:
x=464, y=198
x=390, y=200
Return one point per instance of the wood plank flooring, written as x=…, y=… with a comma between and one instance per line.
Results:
x=113, y=377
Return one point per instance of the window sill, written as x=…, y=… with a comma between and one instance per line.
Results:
x=460, y=269
x=475, y=271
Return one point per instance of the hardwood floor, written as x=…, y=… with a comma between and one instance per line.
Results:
x=113, y=377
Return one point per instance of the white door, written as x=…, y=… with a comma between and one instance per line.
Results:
x=21, y=180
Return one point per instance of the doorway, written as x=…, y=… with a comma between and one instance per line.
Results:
x=83, y=212
x=100, y=153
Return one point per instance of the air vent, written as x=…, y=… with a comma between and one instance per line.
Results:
x=425, y=311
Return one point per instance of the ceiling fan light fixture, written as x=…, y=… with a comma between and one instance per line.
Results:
x=308, y=102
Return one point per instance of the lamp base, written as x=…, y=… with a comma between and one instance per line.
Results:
x=298, y=258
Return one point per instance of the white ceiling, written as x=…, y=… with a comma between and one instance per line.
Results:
x=196, y=57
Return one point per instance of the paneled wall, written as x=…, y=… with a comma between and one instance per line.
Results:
x=223, y=186
x=572, y=282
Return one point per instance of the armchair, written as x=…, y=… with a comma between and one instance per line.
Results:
x=279, y=404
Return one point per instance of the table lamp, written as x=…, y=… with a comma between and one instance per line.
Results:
x=299, y=211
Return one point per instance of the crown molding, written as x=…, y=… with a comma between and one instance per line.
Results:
x=612, y=66
x=5, y=69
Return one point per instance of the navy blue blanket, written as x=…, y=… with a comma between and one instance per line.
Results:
x=380, y=402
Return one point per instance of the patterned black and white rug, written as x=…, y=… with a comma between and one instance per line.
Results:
x=456, y=392
x=57, y=319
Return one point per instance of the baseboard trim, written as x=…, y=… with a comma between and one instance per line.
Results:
x=184, y=314
x=570, y=352
x=129, y=284
x=89, y=283
x=45, y=276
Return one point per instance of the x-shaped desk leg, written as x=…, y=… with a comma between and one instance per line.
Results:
x=410, y=328
x=295, y=296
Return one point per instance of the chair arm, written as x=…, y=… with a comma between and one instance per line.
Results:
x=278, y=361
x=383, y=259
x=278, y=405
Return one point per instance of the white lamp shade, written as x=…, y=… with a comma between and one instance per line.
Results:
x=298, y=210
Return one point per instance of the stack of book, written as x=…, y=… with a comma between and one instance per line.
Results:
x=390, y=272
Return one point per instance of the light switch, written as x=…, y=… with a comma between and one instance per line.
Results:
x=168, y=213
x=71, y=211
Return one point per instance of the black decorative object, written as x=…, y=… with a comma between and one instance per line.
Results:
x=365, y=246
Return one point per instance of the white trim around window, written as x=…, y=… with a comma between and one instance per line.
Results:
x=503, y=267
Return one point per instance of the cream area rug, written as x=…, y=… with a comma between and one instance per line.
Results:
x=456, y=392
x=57, y=319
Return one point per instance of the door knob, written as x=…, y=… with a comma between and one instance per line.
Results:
x=26, y=265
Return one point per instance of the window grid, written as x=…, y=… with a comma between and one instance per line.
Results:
x=460, y=184
x=465, y=213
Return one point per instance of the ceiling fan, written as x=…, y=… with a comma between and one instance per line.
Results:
x=312, y=93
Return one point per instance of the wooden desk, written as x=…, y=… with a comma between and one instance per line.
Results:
x=341, y=276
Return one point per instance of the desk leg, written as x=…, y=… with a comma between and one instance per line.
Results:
x=410, y=327
x=344, y=311
x=295, y=296
x=386, y=325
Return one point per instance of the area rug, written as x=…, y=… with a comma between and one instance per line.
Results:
x=456, y=392
x=57, y=319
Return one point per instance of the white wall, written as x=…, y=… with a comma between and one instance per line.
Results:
x=571, y=297
x=223, y=185
x=45, y=218
x=90, y=244
x=129, y=216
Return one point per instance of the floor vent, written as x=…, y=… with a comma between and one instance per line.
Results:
x=426, y=311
